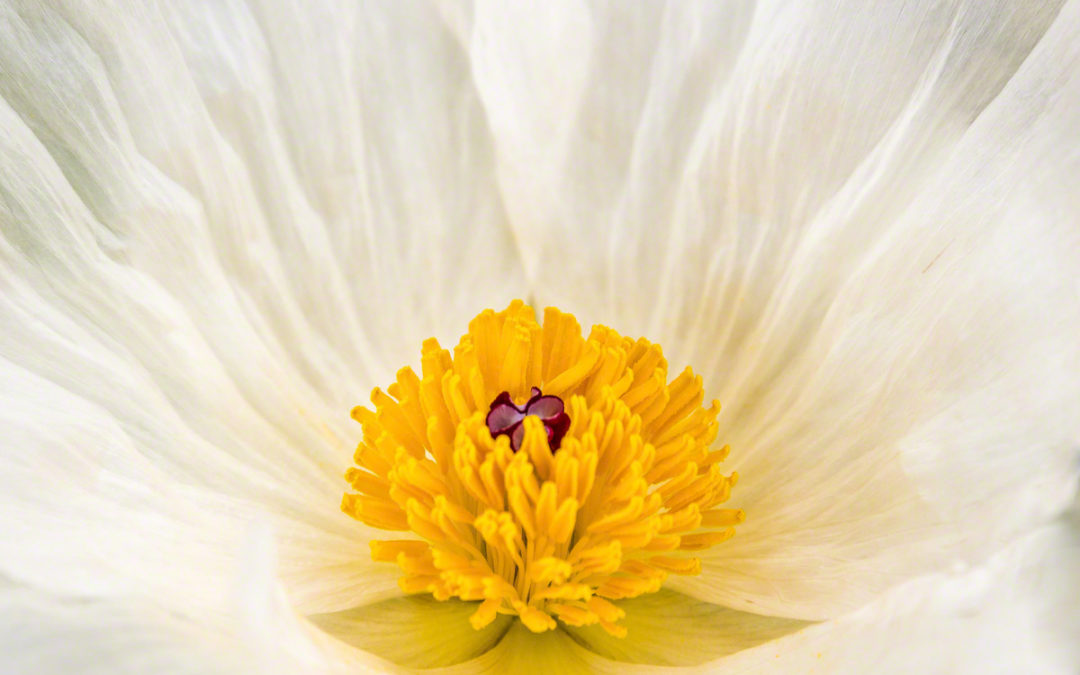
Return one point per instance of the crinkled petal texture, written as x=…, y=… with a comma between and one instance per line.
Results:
x=221, y=224
x=863, y=221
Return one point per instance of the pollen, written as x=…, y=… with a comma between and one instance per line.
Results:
x=539, y=473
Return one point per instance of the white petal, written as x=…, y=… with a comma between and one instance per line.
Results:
x=46, y=636
x=613, y=110
x=129, y=633
x=84, y=513
x=584, y=101
x=215, y=245
x=1015, y=614
x=868, y=247
x=160, y=411
x=928, y=413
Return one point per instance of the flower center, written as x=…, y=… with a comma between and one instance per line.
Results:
x=496, y=516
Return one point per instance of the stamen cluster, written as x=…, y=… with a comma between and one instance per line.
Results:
x=496, y=516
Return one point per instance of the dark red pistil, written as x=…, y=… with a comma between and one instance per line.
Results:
x=507, y=419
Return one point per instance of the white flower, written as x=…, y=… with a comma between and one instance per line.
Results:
x=221, y=225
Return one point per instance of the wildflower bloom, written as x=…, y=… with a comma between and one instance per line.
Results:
x=222, y=225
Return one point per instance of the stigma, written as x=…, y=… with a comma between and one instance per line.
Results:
x=505, y=418
x=594, y=488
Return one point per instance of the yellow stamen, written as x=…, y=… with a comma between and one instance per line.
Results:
x=547, y=536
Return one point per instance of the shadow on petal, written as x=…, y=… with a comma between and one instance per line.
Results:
x=522, y=652
x=414, y=631
x=671, y=629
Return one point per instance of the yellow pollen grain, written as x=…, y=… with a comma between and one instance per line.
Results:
x=630, y=494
